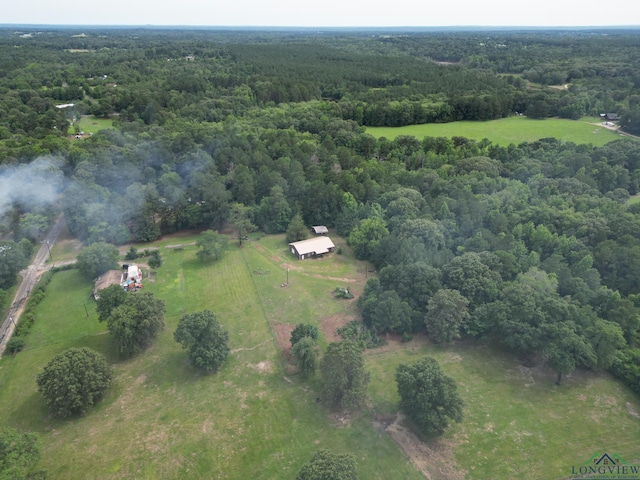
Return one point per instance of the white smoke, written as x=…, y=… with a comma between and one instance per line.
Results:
x=33, y=184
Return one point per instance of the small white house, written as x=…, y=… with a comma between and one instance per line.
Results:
x=320, y=230
x=312, y=247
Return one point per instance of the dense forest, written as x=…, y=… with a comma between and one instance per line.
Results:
x=536, y=245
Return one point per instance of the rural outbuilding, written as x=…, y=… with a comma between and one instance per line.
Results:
x=312, y=247
x=320, y=230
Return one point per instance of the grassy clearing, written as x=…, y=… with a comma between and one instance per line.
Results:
x=634, y=199
x=90, y=124
x=518, y=423
x=508, y=130
x=162, y=419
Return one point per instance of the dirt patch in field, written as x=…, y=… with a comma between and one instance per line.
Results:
x=176, y=246
x=341, y=420
x=631, y=411
x=336, y=279
x=263, y=367
x=112, y=277
x=329, y=325
x=283, y=335
x=433, y=460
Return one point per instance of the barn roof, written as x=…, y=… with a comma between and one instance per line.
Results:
x=319, y=229
x=317, y=245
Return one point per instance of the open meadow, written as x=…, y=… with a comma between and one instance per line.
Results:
x=90, y=124
x=509, y=130
x=256, y=418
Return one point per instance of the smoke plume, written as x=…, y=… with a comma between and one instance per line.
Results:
x=33, y=184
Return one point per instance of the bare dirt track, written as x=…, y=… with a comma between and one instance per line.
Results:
x=434, y=460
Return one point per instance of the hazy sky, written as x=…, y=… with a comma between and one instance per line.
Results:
x=324, y=13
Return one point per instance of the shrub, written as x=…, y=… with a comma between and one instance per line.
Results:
x=15, y=344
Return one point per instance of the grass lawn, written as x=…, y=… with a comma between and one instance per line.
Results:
x=508, y=130
x=255, y=419
x=90, y=124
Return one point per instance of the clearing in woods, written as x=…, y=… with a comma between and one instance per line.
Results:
x=509, y=130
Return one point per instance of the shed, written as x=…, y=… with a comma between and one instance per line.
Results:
x=320, y=230
x=312, y=247
x=612, y=117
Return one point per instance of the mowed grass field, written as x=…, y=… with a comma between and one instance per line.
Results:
x=256, y=419
x=90, y=124
x=508, y=130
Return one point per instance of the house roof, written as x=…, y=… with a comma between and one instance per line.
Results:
x=320, y=229
x=317, y=245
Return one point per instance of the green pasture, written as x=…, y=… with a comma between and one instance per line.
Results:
x=252, y=419
x=162, y=419
x=517, y=422
x=90, y=124
x=508, y=130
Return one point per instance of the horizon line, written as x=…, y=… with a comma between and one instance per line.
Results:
x=249, y=26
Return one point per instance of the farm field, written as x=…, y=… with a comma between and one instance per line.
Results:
x=257, y=419
x=90, y=124
x=508, y=130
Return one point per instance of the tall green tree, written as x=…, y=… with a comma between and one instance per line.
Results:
x=387, y=312
x=446, y=313
x=108, y=299
x=366, y=235
x=239, y=217
x=303, y=330
x=469, y=275
x=297, y=230
x=274, y=213
x=328, y=465
x=204, y=337
x=565, y=349
x=344, y=379
x=305, y=351
x=74, y=380
x=136, y=322
x=211, y=246
x=428, y=397
x=97, y=259
x=12, y=260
